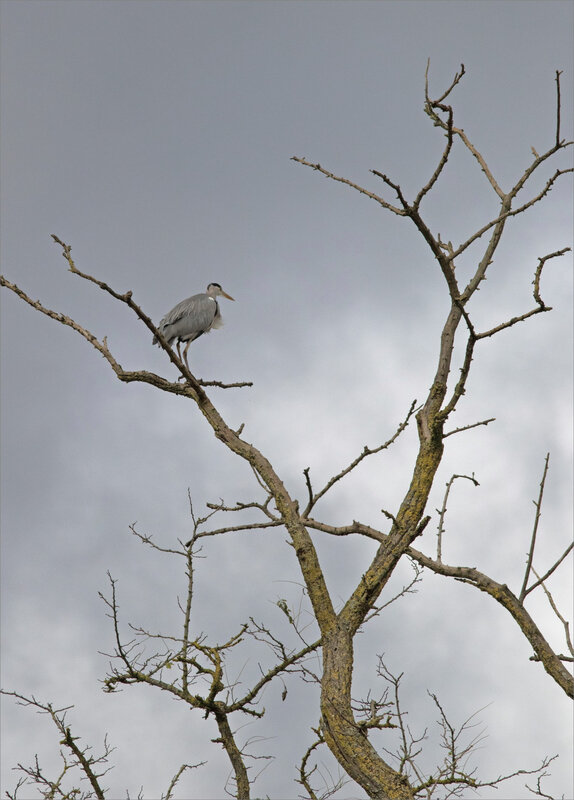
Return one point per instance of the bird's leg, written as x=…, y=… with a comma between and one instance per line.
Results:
x=178, y=348
x=185, y=354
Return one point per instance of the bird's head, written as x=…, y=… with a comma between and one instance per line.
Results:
x=215, y=290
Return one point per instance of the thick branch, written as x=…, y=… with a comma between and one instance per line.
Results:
x=499, y=592
x=227, y=740
x=502, y=594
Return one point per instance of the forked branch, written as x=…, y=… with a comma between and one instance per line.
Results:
x=88, y=764
x=314, y=497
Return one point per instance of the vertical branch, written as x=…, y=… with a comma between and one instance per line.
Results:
x=234, y=753
x=538, y=506
x=442, y=511
x=185, y=647
x=85, y=763
x=558, y=74
x=186, y=622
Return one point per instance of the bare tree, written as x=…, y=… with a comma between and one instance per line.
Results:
x=190, y=667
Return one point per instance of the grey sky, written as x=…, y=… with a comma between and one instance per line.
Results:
x=156, y=138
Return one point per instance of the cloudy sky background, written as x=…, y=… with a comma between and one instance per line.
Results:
x=156, y=138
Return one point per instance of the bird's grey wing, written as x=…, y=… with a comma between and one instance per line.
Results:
x=167, y=322
x=189, y=319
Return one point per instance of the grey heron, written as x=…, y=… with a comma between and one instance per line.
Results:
x=191, y=318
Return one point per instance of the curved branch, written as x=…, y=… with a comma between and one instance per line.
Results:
x=499, y=592
x=540, y=304
x=502, y=594
x=430, y=105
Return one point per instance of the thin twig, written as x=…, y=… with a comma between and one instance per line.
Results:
x=564, y=622
x=551, y=569
x=84, y=760
x=558, y=104
x=367, y=451
x=468, y=427
x=430, y=105
x=540, y=304
x=442, y=511
x=177, y=776
x=372, y=195
x=538, y=506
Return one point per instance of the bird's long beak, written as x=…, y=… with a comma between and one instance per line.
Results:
x=229, y=297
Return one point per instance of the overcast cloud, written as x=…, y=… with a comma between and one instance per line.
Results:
x=155, y=138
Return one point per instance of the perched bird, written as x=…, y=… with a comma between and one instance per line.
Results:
x=191, y=318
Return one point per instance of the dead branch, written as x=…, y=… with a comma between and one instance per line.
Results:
x=367, y=451
x=237, y=385
x=460, y=387
x=273, y=520
x=442, y=510
x=431, y=105
x=124, y=298
x=544, y=774
x=564, y=622
x=558, y=105
x=173, y=783
x=87, y=763
x=430, y=109
x=538, y=506
x=499, y=592
x=282, y=667
x=304, y=774
x=102, y=347
x=227, y=740
x=197, y=659
x=468, y=427
x=540, y=304
x=375, y=197
x=459, y=743
x=507, y=212
x=332, y=785
x=407, y=588
x=503, y=595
